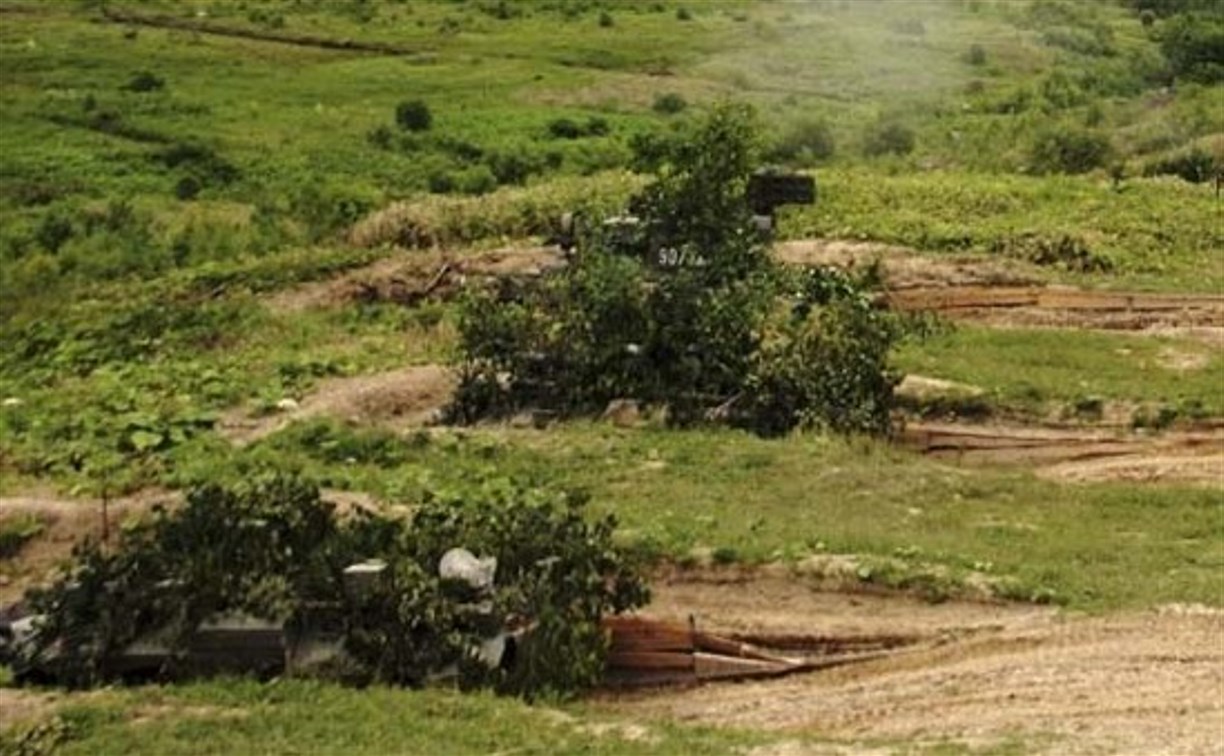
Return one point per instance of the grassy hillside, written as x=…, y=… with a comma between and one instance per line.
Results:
x=133, y=149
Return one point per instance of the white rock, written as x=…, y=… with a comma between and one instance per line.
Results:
x=288, y=405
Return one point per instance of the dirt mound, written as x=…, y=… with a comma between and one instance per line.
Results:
x=905, y=268
x=983, y=675
x=1079, y=454
x=65, y=522
x=403, y=398
x=412, y=277
x=1006, y=292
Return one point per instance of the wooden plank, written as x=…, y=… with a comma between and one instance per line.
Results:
x=715, y=644
x=649, y=660
x=638, y=634
x=719, y=667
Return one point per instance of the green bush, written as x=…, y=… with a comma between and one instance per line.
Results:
x=1069, y=149
x=1193, y=43
x=1195, y=165
x=273, y=549
x=413, y=115
x=564, y=128
x=889, y=138
x=144, y=81
x=479, y=179
x=669, y=103
x=605, y=20
x=976, y=55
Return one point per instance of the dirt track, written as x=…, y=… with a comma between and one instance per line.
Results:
x=399, y=399
x=1078, y=454
x=978, y=674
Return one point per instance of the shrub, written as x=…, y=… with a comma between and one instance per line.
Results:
x=805, y=142
x=144, y=81
x=441, y=182
x=201, y=161
x=1193, y=43
x=413, y=115
x=605, y=20
x=684, y=14
x=273, y=549
x=54, y=230
x=380, y=137
x=1069, y=149
x=187, y=188
x=889, y=138
x=564, y=128
x=513, y=166
x=479, y=179
x=596, y=126
x=669, y=103
x=1195, y=165
x=976, y=55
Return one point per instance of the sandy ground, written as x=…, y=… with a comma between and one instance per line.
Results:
x=976, y=674
x=65, y=523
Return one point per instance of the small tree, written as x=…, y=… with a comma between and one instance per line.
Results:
x=413, y=115
x=1070, y=149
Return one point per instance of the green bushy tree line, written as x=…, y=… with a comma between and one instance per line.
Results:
x=720, y=332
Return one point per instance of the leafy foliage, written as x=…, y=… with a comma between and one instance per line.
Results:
x=1070, y=150
x=700, y=336
x=888, y=138
x=1193, y=43
x=275, y=550
x=413, y=115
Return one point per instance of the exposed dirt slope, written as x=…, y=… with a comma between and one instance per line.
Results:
x=410, y=277
x=65, y=523
x=1006, y=292
x=404, y=398
x=1139, y=683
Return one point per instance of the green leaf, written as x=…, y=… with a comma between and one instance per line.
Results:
x=143, y=440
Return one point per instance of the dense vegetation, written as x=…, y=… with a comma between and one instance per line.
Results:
x=274, y=550
x=685, y=310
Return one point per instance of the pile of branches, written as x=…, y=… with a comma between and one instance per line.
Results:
x=275, y=550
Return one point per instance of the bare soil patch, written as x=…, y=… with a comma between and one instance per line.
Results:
x=403, y=398
x=24, y=707
x=66, y=522
x=1010, y=293
x=984, y=674
x=905, y=268
x=414, y=276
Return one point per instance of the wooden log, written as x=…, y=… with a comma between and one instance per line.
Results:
x=650, y=660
